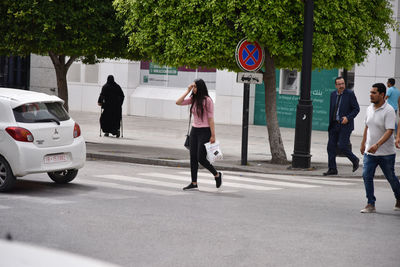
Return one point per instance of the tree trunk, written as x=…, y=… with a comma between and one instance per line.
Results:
x=274, y=134
x=61, y=69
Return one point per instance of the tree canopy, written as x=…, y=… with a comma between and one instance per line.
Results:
x=64, y=30
x=71, y=28
x=206, y=32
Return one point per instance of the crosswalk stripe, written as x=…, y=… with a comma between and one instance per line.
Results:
x=131, y=187
x=359, y=179
x=305, y=179
x=99, y=195
x=269, y=182
x=138, y=180
x=229, y=184
x=11, y=197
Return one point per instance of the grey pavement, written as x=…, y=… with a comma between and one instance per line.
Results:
x=160, y=142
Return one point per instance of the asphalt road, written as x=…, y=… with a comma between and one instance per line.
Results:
x=137, y=215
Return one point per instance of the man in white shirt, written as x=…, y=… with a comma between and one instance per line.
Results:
x=377, y=146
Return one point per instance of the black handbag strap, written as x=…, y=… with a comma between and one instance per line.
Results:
x=190, y=119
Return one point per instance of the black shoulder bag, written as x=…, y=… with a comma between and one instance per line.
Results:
x=187, y=141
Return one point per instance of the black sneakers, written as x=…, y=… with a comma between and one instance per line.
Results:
x=191, y=186
x=218, y=180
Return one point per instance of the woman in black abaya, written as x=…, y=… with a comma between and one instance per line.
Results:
x=111, y=99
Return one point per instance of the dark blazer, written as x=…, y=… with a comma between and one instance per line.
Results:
x=348, y=108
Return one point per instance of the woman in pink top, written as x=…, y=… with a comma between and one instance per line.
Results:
x=203, y=130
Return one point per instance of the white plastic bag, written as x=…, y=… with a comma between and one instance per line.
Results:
x=213, y=151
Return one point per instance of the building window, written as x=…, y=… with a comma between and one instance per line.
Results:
x=289, y=83
x=14, y=72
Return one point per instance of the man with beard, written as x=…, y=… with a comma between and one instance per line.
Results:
x=343, y=109
x=377, y=146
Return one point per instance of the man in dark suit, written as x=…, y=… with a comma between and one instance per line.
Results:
x=343, y=109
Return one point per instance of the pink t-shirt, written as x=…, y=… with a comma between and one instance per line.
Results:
x=208, y=112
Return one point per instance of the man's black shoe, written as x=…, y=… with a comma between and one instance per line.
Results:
x=330, y=172
x=191, y=186
x=356, y=164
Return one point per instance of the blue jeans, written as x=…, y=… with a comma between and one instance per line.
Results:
x=386, y=163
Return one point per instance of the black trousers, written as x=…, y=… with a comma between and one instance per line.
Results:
x=339, y=136
x=198, y=153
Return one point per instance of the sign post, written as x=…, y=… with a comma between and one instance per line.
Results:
x=250, y=58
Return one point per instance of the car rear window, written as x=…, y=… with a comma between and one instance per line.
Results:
x=40, y=112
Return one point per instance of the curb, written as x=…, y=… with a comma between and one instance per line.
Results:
x=219, y=166
x=160, y=162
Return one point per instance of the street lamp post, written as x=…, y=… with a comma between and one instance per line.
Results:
x=301, y=157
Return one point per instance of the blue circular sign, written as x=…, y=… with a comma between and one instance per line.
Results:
x=249, y=55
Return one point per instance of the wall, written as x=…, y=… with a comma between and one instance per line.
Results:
x=376, y=69
x=42, y=75
x=149, y=100
x=85, y=82
x=155, y=101
x=229, y=95
x=322, y=84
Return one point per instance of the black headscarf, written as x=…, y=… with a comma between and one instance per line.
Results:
x=111, y=94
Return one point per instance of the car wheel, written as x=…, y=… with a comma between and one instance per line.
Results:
x=7, y=178
x=63, y=177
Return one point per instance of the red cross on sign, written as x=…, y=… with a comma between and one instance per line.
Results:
x=249, y=55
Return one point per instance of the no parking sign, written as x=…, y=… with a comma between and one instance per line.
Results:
x=249, y=55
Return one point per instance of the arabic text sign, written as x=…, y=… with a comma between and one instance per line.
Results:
x=162, y=70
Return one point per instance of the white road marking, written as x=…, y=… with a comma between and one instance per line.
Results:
x=130, y=187
x=138, y=180
x=259, y=181
x=303, y=179
x=236, y=185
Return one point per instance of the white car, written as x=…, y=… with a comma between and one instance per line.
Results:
x=37, y=136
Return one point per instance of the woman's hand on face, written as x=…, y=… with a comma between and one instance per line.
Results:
x=190, y=87
x=212, y=139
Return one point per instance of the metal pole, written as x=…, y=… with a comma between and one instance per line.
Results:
x=122, y=128
x=301, y=157
x=245, y=122
x=101, y=112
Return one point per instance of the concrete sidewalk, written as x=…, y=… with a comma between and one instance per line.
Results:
x=160, y=141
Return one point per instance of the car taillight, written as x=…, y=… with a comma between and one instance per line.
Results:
x=77, y=130
x=20, y=134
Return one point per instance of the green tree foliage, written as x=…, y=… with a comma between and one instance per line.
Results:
x=64, y=30
x=206, y=32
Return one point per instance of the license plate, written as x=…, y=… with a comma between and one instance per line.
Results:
x=55, y=158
